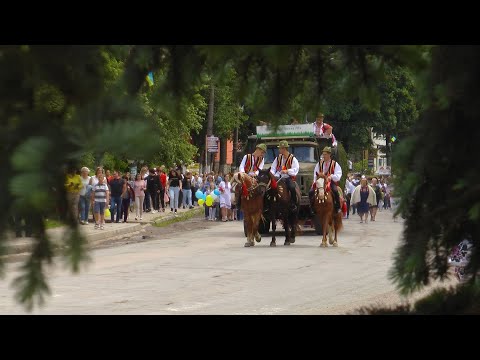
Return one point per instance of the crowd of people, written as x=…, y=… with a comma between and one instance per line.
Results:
x=114, y=195
x=366, y=196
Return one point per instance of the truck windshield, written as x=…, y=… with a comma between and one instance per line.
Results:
x=302, y=153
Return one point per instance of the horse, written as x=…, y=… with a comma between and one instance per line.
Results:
x=278, y=206
x=324, y=210
x=252, y=194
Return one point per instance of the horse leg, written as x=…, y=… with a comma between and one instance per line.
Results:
x=330, y=233
x=274, y=228
x=258, y=237
x=249, y=232
x=325, y=230
x=287, y=231
x=293, y=229
x=335, y=244
x=256, y=224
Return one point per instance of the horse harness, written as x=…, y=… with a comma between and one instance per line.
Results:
x=253, y=187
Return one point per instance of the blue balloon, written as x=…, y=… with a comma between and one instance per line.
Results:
x=204, y=196
x=199, y=194
x=216, y=192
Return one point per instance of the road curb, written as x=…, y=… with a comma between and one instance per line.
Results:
x=104, y=234
x=22, y=247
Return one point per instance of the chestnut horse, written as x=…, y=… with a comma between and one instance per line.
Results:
x=323, y=205
x=252, y=193
x=278, y=206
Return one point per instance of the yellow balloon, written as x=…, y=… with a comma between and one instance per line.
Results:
x=200, y=202
x=209, y=201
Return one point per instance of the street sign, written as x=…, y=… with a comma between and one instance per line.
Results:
x=212, y=144
x=384, y=170
x=285, y=130
x=370, y=163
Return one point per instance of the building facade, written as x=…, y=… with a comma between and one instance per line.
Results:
x=380, y=165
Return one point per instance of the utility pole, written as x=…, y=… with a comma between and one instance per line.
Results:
x=235, y=147
x=211, y=104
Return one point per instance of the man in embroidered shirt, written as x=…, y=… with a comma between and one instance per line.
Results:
x=333, y=171
x=251, y=163
x=286, y=166
x=323, y=130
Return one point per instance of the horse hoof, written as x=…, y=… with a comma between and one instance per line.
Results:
x=248, y=244
x=335, y=244
x=273, y=244
x=330, y=242
x=258, y=240
x=292, y=240
x=286, y=243
x=323, y=244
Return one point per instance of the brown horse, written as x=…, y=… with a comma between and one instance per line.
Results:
x=252, y=193
x=323, y=205
x=278, y=206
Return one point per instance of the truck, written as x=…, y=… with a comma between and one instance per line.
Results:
x=307, y=148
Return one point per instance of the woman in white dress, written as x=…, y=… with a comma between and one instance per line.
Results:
x=225, y=200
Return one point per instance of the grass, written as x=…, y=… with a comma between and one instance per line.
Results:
x=181, y=217
x=50, y=223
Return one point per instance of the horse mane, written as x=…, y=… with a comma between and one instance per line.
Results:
x=246, y=181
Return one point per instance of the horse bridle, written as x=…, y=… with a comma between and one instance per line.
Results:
x=265, y=185
x=325, y=193
x=256, y=184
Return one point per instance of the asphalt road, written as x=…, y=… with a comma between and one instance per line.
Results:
x=201, y=267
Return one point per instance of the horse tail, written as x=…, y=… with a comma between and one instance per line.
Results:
x=337, y=221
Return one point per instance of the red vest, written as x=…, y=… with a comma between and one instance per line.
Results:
x=288, y=163
x=249, y=167
x=331, y=169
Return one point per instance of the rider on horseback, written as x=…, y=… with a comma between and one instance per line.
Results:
x=333, y=171
x=250, y=164
x=286, y=166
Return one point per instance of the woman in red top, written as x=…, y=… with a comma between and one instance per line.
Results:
x=163, y=182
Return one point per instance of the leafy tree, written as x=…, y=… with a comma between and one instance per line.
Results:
x=55, y=105
x=436, y=179
x=440, y=196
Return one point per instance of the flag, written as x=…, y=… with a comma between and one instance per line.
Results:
x=393, y=138
x=150, y=78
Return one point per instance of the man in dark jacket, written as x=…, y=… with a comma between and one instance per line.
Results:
x=153, y=189
x=116, y=190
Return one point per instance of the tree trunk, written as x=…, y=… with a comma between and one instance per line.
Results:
x=211, y=104
x=388, y=152
x=223, y=156
x=201, y=162
x=234, y=151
